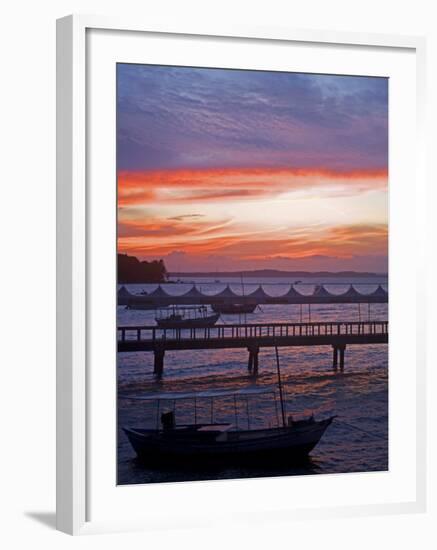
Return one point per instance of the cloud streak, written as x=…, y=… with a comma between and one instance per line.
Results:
x=181, y=117
x=176, y=186
x=231, y=241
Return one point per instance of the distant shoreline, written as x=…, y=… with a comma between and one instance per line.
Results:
x=275, y=273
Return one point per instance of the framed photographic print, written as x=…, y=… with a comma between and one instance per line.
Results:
x=236, y=311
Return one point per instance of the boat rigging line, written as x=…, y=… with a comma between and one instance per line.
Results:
x=371, y=434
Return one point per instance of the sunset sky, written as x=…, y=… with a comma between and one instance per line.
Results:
x=230, y=170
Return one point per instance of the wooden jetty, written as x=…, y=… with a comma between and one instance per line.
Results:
x=252, y=337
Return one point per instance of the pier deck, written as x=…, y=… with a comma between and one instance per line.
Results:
x=252, y=337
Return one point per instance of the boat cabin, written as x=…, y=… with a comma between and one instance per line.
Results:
x=185, y=316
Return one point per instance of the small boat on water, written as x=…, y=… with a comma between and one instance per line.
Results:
x=219, y=441
x=142, y=306
x=207, y=442
x=185, y=317
x=234, y=309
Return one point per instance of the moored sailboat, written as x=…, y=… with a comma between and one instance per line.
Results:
x=234, y=309
x=185, y=317
x=209, y=441
x=176, y=444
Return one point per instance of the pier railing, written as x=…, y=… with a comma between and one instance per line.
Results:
x=258, y=331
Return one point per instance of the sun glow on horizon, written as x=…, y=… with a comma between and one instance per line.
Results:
x=231, y=217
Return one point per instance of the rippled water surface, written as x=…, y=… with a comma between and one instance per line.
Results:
x=356, y=442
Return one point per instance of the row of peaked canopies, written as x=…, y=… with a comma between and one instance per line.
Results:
x=160, y=297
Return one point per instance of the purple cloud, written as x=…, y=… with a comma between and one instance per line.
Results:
x=176, y=117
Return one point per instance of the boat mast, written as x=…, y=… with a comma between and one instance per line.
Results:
x=244, y=301
x=281, y=397
x=242, y=282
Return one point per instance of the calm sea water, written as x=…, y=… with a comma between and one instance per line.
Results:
x=356, y=442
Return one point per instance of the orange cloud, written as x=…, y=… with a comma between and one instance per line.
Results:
x=168, y=228
x=144, y=231
x=181, y=186
x=341, y=241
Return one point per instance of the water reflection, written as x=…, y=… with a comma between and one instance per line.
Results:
x=359, y=395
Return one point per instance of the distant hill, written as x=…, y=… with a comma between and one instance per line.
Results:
x=131, y=270
x=257, y=273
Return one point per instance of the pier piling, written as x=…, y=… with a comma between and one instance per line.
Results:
x=158, y=367
x=253, y=363
x=342, y=350
x=338, y=350
x=335, y=358
x=250, y=361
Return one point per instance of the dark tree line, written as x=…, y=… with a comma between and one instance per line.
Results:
x=131, y=270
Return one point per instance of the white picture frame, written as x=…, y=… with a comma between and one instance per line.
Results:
x=73, y=276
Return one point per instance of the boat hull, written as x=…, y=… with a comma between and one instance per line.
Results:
x=140, y=306
x=209, y=321
x=233, y=309
x=238, y=447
